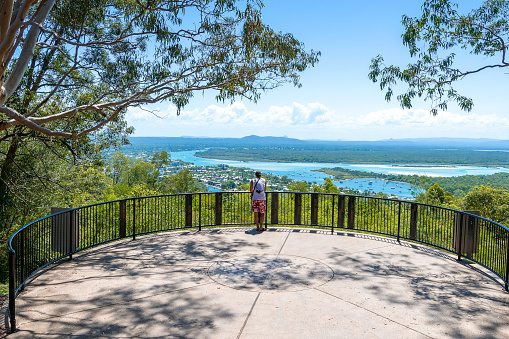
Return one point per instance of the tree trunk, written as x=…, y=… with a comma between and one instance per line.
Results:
x=5, y=195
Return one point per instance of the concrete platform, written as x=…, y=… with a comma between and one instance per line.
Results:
x=282, y=283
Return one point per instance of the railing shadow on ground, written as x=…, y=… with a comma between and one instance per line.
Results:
x=188, y=258
x=49, y=240
x=134, y=260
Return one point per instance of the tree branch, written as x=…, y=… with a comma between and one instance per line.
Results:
x=26, y=52
x=5, y=17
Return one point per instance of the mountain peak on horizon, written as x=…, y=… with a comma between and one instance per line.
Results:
x=254, y=136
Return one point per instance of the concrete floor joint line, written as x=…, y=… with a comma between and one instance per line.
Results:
x=248, y=315
x=373, y=312
x=278, y=253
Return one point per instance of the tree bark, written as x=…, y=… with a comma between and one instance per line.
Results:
x=5, y=196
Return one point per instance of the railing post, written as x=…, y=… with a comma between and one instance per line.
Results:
x=189, y=210
x=460, y=235
x=351, y=212
x=199, y=211
x=72, y=225
x=21, y=255
x=267, y=204
x=134, y=219
x=12, y=288
x=332, y=221
x=298, y=209
x=274, y=207
x=399, y=219
x=123, y=219
x=219, y=208
x=469, y=237
x=413, y=221
x=314, y=209
x=341, y=211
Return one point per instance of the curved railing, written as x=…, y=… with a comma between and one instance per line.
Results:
x=58, y=236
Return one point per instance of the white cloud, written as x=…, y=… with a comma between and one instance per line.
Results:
x=400, y=117
x=393, y=117
x=314, y=121
x=238, y=113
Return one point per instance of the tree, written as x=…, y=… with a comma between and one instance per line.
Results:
x=299, y=186
x=94, y=59
x=435, y=195
x=119, y=163
x=228, y=185
x=435, y=38
x=317, y=189
x=329, y=187
x=160, y=159
x=142, y=172
x=493, y=203
x=89, y=185
x=70, y=70
x=183, y=182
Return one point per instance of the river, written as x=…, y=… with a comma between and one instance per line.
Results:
x=304, y=171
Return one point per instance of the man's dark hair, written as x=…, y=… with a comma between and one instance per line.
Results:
x=258, y=174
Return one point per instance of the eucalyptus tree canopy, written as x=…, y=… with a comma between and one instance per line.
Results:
x=71, y=67
x=70, y=70
x=435, y=38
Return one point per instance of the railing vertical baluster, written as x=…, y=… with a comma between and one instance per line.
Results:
x=12, y=288
x=507, y=266
x=267, y=204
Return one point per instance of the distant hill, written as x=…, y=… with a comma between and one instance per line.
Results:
x=258, y=141
x=460, y=143
x=419, y=151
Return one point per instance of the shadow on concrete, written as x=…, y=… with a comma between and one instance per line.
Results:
x=157, y=286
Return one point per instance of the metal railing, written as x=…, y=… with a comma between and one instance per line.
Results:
x=58, y=236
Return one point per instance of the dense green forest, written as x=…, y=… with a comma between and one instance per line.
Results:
x=459, y=185
x=362, y=155
x=434, y=151
x=84, y=184
x=60, y=181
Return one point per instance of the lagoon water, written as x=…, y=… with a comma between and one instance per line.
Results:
x=303, y=171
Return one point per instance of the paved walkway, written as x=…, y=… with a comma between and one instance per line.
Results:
x=282, y=283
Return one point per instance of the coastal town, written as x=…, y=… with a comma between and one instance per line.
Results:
x=228, y=178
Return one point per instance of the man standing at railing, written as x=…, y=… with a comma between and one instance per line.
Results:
x=257, y=187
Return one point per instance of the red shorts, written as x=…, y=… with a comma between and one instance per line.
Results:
x=259, y=206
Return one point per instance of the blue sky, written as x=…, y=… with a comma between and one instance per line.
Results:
x=337, y=100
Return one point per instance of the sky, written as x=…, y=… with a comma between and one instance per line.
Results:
x=337, y=101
